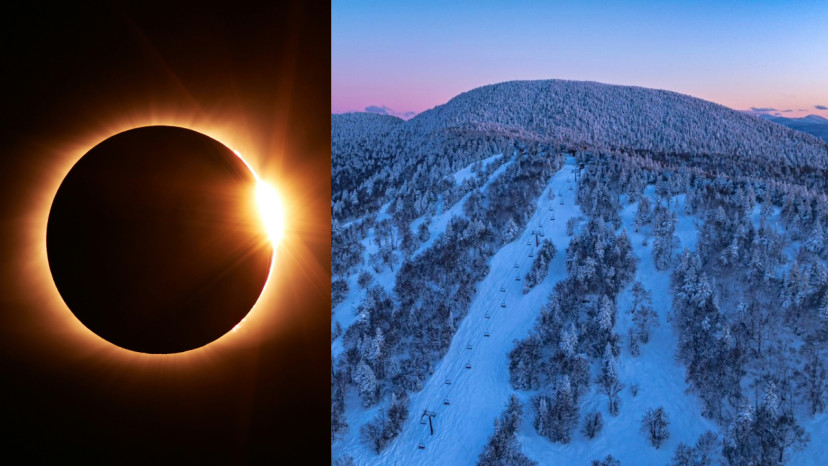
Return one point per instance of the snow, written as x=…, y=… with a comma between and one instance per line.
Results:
x=660, y=379
x=467, y=172
x=439, y=222
x=344, y=312
x=477, y=396
x=817, y=427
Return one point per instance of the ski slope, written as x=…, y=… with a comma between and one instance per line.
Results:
x=477, y=395
x=659, y=376
x=440, y=221
x=467, y=172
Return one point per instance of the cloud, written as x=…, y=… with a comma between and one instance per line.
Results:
x=786, y=111
x=820, y=107
x=764, y=109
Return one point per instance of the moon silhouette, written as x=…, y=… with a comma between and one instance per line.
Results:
x=154, y=240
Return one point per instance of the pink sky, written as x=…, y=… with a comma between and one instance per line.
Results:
x=743, y=53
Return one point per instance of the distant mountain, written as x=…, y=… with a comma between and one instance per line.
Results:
x=811, y=124
x=383, y=110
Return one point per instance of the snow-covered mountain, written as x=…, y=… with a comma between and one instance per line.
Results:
x=607, y=116
x=812, y=124
x=562, y=272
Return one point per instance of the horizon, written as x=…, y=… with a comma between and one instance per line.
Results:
x=756, y=57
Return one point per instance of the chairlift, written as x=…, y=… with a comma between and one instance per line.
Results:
x=530, y=253
x=422, y=421
x=540, y=224
x=487, y=315
x=528, y=242
x=561, y=201
x=502, y=290
x=446, y=402
x=516, y=265
x=570, y=187
x=468, y=364
x=421, y=446
x=517, y=279
x=448, y=381
x=486, y=333
x=468, y=346
x=542, y=235
x=503, y=304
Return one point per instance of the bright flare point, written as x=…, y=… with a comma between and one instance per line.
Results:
x=270, y=208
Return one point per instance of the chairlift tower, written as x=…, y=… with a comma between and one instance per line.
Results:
x=430, y=415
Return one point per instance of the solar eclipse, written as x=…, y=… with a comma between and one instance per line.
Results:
x=245, y=77
x=160, y=239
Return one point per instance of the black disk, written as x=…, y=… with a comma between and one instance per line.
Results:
x=155, y=242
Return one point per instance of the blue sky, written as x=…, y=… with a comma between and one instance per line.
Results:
x=411, y=56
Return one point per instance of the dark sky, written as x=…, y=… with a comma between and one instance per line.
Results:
x=71, y=69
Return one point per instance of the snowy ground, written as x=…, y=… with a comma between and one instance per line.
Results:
x=817, y=450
